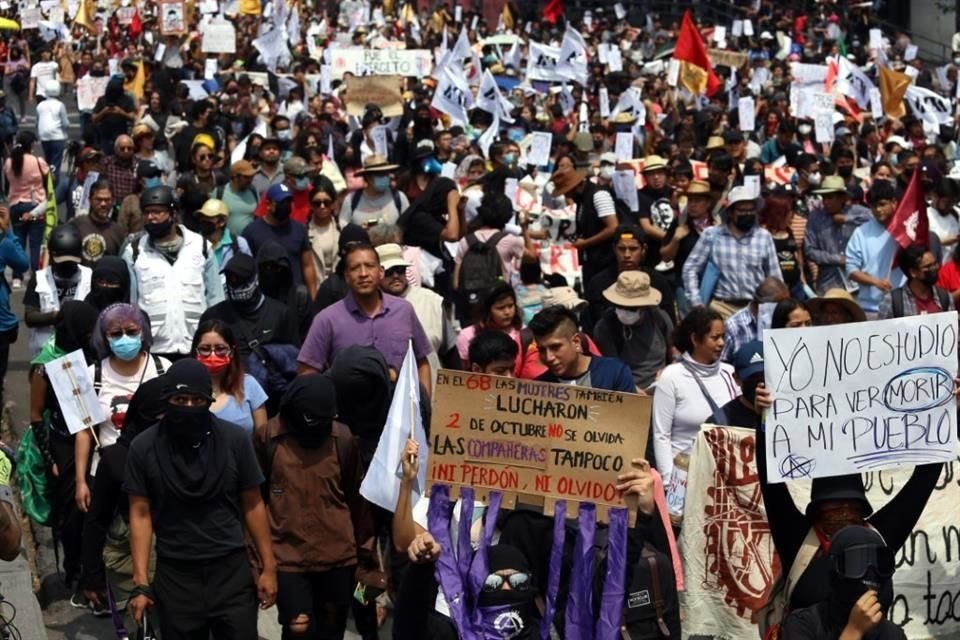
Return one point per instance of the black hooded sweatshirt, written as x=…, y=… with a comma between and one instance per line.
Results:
x=281, y=287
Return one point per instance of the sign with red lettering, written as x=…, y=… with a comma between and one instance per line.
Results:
x=535, y=439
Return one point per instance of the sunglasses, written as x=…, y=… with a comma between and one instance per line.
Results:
x=517, y=582
x=205, y=156
x=322, y=202
x=129, y=331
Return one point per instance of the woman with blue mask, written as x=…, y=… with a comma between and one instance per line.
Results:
x=123, y=337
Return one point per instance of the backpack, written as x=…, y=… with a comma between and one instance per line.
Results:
x=771, y=616
x=36, y=490
x=274, y=366
x=355, y=200
x=896, y=297
x=481, y=268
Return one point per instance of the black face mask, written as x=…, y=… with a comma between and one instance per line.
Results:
x=187, y=425
x=845, y=172
x=275, y=280
x=745, y=222
x=103, y=297
x=310, y=431
x=282, y=210
x=206, y=227
x=159, y=229
x=65, y=270
x=930, y=277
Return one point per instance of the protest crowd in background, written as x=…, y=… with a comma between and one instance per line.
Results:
x=268, y=274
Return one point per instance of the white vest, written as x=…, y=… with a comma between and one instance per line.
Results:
x=50, y=302
x=172, y=295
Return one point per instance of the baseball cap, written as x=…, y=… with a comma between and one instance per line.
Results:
x=748, y=360
x=147, y=169
x=279, y=193
x=295, y=167
x=187, y=376
x=740, y=194
x=213, y=208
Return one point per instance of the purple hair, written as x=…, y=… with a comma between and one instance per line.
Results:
x=121, y=313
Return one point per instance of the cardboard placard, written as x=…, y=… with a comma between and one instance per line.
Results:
x=381, y=62
x=732, y=59
x=379, y=90
x=173, y=18
x=538, y=439
x=125, y=15
x=219, y=37
x=89, y=90
x=860, y=397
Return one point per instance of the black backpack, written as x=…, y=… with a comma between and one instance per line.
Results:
x=481, y=268
x=896, y=298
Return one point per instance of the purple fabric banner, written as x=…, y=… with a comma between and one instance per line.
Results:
x=614, y=583
x=556, y=565
x=579, y=618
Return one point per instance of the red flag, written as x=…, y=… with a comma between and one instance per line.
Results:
x=136, y=26
x=553, y=11
x=909, y=225
x=696, y=73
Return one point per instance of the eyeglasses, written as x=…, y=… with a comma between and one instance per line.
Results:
x=517, y=582
x=396, y=272
x=221, y=350
x=119, y=333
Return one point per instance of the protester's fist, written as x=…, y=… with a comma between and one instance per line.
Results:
x=423, y=549
x=411, y=460
x=638, y=482
x=866, y=613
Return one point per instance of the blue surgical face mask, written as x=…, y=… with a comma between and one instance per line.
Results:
x=302, y=184
x=381, y=184
x=126, y=347
x=432, y=165
x=509, y=159
x=153, y=182
x=515, y=134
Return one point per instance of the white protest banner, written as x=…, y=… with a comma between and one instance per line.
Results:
x=746, y=110
x=748, y=28
x=624, y=146
x=730, y=561
x=859, y=397
x=719, y=34
x=30, y=17
x=125, y=15
x=808, y=73
x=73, y=386
x=604, y=96
x=539, y=153
x=381, y=62
x=614, y=60
x=89, y=90
x=542, y=62
x=876, y=103
x=219, y=37
x=876, y=39
x=625, y=186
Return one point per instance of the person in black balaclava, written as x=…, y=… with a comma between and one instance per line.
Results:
x=110, y=283
x=506, y=601
x=195, y=481
x=364, y=389
x=108, y=500
x=73, y=329
x=276, y=281
x=334, y=288
x=860, y=593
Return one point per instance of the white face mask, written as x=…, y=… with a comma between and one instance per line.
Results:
x=813, y=179
x=606, y=172
x=628, y=317
x=804, y=129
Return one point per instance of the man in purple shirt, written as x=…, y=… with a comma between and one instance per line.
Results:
x=367, y=317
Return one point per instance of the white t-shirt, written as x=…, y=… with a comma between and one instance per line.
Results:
x=476, y=533
x=52, y=122
x=116, y=391
x=945, y=226
x=43, y=71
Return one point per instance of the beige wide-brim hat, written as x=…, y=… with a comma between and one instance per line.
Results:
x=632, y=289
x=376, y=164
x=838, y=296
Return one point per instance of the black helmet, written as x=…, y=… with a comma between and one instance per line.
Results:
x=65, y=240
x=157, y=196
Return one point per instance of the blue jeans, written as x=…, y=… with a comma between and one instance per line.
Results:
x=53, y=154
x=30, y=234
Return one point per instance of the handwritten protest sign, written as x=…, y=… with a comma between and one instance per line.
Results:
x=89, y=90
x=730, y=562
x=383, y=91
x=381, y=62
x=219, y=37
x=125, y=15
x=732, y=59
x=73, y=386
x=859, y=397
x=538, y=439
x=30, y=17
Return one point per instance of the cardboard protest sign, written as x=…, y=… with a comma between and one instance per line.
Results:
x=859, y=397
x=381, y=62
x=536, y=439
x=219, y=37
x=173, y=18
x=730, y=562
x=89, y=90
x=732, y=59
x=383, y=91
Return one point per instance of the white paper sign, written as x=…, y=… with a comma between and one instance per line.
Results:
x=602, y=49
x=614, y=60
x=219, y=37
x=823, y=126
x=748, y=28
x=73, y=386
x=745, y=108
x=753, y=184
x=325, y=87
x=539, y=153
x=625, y=186
x=910, y=53
x=381, y=62
x=30, y=17
x=448, y=170
x=719, y=33
x=113, y=65
x=510, y=188
x=379, y=135
x=673, y=72
x=876, y=39
x=158, y=54
x=210, y=68
x=89, y=90
x=604, y=97
x=737, y=29
x=860, y=397
x=620, y=11
x=624, y=146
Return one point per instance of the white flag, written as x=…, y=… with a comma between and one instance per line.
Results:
x=513, y=56
x=542, y=61
x=853, y=82
x=273, y=48
x=573, y=57
x=293, y=26
x=489, y=136
x=631, y=101
x=381, y=484
x=453, y=96
x=928, y=105
x=490, y=99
